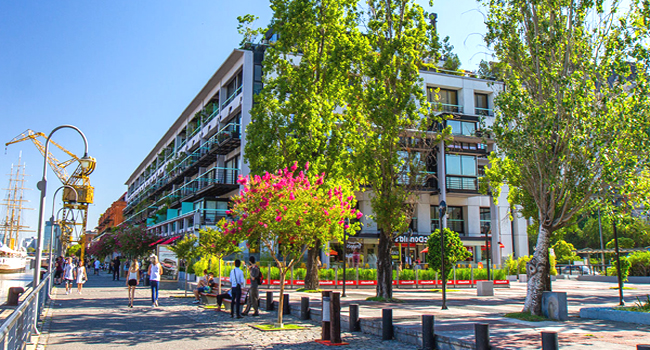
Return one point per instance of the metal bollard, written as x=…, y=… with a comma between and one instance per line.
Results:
x=428, y=335
x=269, y=300
x=326, y=316
x=304, y=308
x=335, y=317
x=549, y=341
x=643, y=347
x=286, y=309
x=386, y=324
x=14, y=295
x=482, y=336
x=355, y=325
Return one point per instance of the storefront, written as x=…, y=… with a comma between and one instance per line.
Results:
x=410, y=249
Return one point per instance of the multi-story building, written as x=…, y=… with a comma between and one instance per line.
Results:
x=113, y=216
x=186, y=180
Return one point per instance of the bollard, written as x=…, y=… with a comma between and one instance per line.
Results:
x=386, y=324
x=428, y=335
x=326, y=316
x=549, y=341
x=482, y=336
x=355, y=325
x=304, y=308
x=14, y=295
x=269, y=300
x=643, y=347
x=286, y=309
x=335, y=317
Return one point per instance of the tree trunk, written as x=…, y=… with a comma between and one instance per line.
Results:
x=311, y=276
x=538, y=273
x=384, y=268
x=283, y=273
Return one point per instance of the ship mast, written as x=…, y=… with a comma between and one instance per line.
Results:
x=12, y=226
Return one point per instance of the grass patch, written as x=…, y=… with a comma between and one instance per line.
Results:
x=440, y=290
x=383, y=300
x=631, y=308
x=308, y=290
x=272, y=327
x=526, y=316
x=640, y=305
x=624, y=288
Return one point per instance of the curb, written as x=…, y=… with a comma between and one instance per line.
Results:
x=609, y=314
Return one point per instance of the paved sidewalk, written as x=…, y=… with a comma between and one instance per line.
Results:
x=100, y=319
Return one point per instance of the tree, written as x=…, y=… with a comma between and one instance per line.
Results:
x=454, y=250
x=289, y=214
x=297, y=115
x=572, y=122
x=564, y=252
x=219, y=243
x=103, y=247
x=390, y=106
x=186, y=250
x=623, y=242
x=74, y=250
x=134, y=241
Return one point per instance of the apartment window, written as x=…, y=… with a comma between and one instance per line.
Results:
x=231, y=170
x=435, y=218
x=445, y=100
x=455, y=220
x=460, y=165
x=481, y=105
x=462, y=127
x=485, y=219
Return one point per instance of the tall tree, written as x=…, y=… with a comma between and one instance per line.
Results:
x=298, y=115
x=572, y=123
x=389, y=102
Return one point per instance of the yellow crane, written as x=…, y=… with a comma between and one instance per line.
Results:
x=77, y=180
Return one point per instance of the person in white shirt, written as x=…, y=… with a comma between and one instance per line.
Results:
x=96, y=267
x=237, y=281
x=69, y=274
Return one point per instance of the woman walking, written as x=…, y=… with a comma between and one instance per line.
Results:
x=133, y=279
x=82, y=277
x=69, y=275
x=154, y=278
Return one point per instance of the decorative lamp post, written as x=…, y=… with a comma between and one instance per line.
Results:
x=442, y=207
x=52, y=228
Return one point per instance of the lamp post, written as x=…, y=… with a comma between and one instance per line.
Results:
x=621, y=302
x=345, y=260
x=487, y=253
x=52, y=228
x=442, y=207
x=42, y=186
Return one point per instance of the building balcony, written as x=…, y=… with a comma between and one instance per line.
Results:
x=461, y=184
x=231, y=97
x=448, y=108
x=209, y=217
x=486, y=112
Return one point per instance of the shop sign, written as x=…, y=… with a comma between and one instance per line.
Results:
x=354, y=245
x=367, y=283
x=407, y=282
x=347, y=283
x=412, y=239
x=326, y=283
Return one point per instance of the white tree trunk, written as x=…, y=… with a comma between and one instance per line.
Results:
x=537, y=272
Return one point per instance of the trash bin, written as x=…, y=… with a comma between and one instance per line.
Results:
x=14, y=295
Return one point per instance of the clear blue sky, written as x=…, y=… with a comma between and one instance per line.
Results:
x=123, y=71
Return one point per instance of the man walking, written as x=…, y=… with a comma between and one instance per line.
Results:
x=116, y=268
x=237, y=281
x=253, y=292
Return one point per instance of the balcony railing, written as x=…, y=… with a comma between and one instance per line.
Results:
x=483, y=111
x=231, y=97
x=211, y=216
x=445, y=107
x=462, y=183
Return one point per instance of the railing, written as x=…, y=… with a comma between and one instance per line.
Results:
x=462, y=183
x=211, y=216
x=445, y=107
x=18, y=328
x=231, y=97
x=483, y=111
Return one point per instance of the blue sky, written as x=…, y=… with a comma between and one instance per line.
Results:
x=123, y=71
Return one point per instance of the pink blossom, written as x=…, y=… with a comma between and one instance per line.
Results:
x=292, y=197
x=278, y=218
x=307, y=166
x=298, y=222
x=294, y=166
x=346, y=226
x=359, y=215
x=245, y=215
x=319, y=181
x=228, y=212
x=257, y=178
x=341, y=222
x=261, y=223
x=350, y=198
x=326, y=212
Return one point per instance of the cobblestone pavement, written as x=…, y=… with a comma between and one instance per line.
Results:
x=100, y=319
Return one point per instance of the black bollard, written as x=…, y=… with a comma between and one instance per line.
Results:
x=269, y=300
x=304, y=308
x=549, y=341
x=386, y=324
x=428, y=336
x=335, y=317
x=643, y=347
x=355, y=325
x=326, y=316
x=14, y=295
x=482, y=335
x=286, y=309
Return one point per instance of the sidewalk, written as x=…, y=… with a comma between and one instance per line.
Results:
x=100, y=318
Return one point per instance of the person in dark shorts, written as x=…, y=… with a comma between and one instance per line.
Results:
x=132, y=280
x=58, y=272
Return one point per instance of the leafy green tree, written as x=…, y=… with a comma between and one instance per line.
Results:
x=186, y=250
x=573, y=118
x=218, y=243
x=450, y=60
x=74, y=250
x=564, y=252
x=623, y=242
x=297, y=116
x=134, y=241
x=290, y=213
x=391, y=109
x=455, y=251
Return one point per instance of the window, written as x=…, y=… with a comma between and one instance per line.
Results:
x=435, y=218
x=460, y=165
x=455, y=220
x=485, y=220
x=231, y=170
x=481, y=105
x=445, y=100
x=462, y=127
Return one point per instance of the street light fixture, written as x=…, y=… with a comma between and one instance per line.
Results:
x=442, y=207
x=52, y=228
x=621, y=302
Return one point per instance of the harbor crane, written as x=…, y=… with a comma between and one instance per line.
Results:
x=78, y=180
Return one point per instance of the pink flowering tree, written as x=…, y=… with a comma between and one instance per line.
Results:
x=289, y=212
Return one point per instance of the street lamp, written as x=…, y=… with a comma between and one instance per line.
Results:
x=52, y=228
x=621, y=302
x=442, y=207
x=42, y=186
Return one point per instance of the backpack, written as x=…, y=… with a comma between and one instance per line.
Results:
x=260, y=278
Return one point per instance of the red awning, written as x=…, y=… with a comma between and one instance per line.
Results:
x=158, y=241
x=171, y=240
x=333, y=252
x=425, y=250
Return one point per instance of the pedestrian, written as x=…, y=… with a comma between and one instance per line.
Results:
x=133, y=280
x=97, y=266
x=237, y=281
x=68, y=275
x=116, y=268
x=253, y=292
x=82, y=276
x=58, y=274
x=154, y=279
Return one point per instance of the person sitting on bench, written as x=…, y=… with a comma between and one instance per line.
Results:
x=225, y=295
x=203, y=286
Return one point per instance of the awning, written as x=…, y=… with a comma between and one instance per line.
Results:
x=158, y=241
x=171, y=240
x=333, y=252
x=425, y=250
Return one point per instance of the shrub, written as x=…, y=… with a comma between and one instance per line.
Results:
x=521, y=264
x=368, y=274
x=299, y=273
x=326, y=274
x=407, y=275
x=639, y=264
x=625, y=268
x=512, y=265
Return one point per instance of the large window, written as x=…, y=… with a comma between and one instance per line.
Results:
x=455, y=220
x=446, y=100
x=485, y=220
x=481, y=105
x=462, y=127
x=435, y=218
x=460, y=165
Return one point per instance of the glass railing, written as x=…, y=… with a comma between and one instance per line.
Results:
x=231, y=97
x=483, y=111
x=445, y=107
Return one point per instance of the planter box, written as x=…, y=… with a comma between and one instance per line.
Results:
x=523, y=277
x=512, y=278
x=609, y=314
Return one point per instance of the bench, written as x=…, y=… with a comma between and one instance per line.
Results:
x=211, y=299
x=242, y=300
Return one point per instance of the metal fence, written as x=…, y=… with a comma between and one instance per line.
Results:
x=17, y=330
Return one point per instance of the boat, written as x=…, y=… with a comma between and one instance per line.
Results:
x=11, y=228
